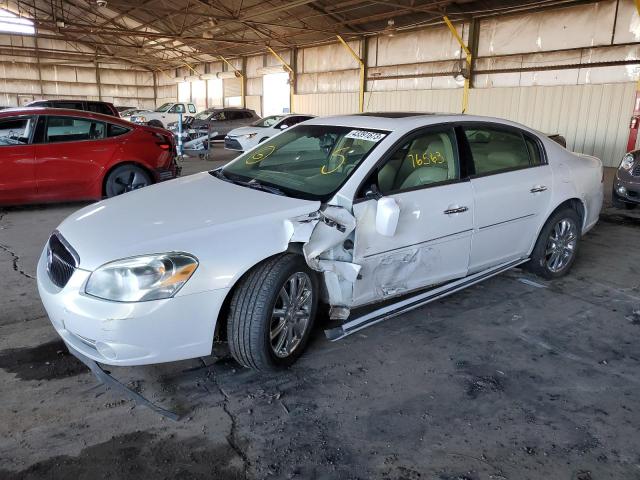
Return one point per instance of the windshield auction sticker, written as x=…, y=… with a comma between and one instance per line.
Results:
x=365, y=135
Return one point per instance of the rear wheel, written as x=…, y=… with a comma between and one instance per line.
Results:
x=155, y=123
x=557, y=246
x=272, y=313
x=126, y=178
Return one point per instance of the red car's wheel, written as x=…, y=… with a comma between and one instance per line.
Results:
x=126, y=178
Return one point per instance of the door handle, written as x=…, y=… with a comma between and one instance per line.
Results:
x=538, y=189
x=454, y=210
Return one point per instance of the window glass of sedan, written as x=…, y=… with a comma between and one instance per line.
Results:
x=69, y=129
x=425, y=159
x=310, y=161
x=267, y=122
x=495, y=149
x=16, y=131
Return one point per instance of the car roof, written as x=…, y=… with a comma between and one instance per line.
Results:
x=67, y=112
x=407, y=121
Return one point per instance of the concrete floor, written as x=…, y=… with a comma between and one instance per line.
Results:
x=515, y=378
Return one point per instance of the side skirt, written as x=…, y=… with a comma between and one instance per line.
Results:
x=416, y=301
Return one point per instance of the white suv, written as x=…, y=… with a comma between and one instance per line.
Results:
x=168, y=112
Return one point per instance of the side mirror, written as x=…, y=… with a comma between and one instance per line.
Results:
x=283, y=126
x=387, y=215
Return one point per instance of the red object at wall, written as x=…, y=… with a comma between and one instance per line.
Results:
x=51, y=155
x=634, y=124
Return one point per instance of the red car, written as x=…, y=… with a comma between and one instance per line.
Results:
x=49, y=154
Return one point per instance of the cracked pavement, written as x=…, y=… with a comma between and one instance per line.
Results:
x=515, y=378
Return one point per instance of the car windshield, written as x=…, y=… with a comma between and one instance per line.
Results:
x=203, y=115
x=308, y=161
x=267, y=122
x=164, y=107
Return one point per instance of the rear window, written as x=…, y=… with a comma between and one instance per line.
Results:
x=69, y=105
x=116, y=130
x=99, y=108
x=69, y=129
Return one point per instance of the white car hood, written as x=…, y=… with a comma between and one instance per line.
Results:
x=189, y=214
x=236, y=132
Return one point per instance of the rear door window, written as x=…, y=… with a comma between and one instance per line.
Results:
x=69, y=105
x=69, y=129
x=496, y=150
x=99, y=108
x=116, y=130
x=16, y=131
x=192, y=108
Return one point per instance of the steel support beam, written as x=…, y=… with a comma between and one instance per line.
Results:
x=456, y=35
x=241, y=76
x=362, y=66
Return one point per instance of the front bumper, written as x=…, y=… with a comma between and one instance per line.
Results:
x=626, y=191
x=123, y=334
x=232, y=143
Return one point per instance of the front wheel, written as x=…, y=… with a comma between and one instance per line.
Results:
x=557, y=246
x=272, y=313
x=125, y=178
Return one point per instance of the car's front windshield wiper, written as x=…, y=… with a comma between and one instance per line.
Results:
x=253, y=183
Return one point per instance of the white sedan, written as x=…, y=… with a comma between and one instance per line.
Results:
x=245, y=138
x=349, y=211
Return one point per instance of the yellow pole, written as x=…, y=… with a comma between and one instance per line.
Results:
x=362, y=79
x=454, y=32
x=292, y=76
x=240, y=75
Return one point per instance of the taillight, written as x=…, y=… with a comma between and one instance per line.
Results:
x=162, y=141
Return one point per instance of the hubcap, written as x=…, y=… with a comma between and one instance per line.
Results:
x=561, y=245
x=128, y=180
x=291, y=314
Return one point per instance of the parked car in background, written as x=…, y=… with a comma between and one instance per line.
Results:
x=51, y=155
x=626, y=184
x=391, y=209
x=221, y=120
x=127, y=114
x=165, y=114
x=105, y=108
x=121, y=108
x=244, y=138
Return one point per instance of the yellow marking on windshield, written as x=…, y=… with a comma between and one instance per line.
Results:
x=260, y=155
x=342, y=159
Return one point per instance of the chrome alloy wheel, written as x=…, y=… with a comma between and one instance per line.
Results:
x=561, y=246
x=291, y=314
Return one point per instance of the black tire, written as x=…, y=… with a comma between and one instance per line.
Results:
x=155, y=123
x=251, y=313
x=126, y=178
x=540, y=258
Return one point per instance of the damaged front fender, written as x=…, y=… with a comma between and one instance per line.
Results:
x=323, y=238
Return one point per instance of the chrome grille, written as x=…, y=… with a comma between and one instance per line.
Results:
x=62, y=261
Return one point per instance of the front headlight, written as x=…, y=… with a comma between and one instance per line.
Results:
x=250, y=135
x=138, y=279
x=627, y=162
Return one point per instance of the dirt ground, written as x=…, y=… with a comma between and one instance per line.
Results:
x=515, y=378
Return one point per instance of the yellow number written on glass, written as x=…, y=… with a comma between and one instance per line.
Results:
x=427, y=158
x=339, y=159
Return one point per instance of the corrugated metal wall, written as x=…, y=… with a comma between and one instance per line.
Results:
x=593, y=118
